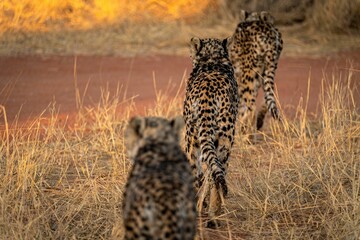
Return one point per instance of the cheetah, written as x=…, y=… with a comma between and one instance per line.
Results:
x=254, y=53
x=210, y=113
x=160, y=198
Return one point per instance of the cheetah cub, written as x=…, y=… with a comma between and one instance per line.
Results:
x=254, y=53
x=210, y=112
x=159, y=200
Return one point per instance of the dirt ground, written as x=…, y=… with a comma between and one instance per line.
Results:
x=28, y=84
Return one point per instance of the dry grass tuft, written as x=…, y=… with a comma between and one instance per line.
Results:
x=299, y=181
x=336, y=16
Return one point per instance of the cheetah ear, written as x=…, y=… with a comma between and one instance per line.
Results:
x=226, y=43
x=243, y=15
x=136, y=126
x=266, y=17
x=177, y=123
x=195, y=45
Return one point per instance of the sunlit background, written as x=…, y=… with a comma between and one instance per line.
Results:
x=148, y=26
x=44, y=14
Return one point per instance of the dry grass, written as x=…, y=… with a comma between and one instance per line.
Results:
x=94, y=27
x=299, y=181
x=336, y=16
x=33, y=15
x=303, y=180
x=148, y=27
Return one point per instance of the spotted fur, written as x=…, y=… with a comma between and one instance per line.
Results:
x=210, y=112
x=254, y=53
x=159, y=200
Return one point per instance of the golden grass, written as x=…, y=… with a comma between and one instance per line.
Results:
x=336, y=16
x=299, y=181
x=303, y=180
x=105, y=27
x=42, y=15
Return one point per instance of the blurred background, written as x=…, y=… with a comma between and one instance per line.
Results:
x=126, y=27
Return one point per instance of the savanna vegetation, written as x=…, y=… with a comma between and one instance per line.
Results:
x=300, y=180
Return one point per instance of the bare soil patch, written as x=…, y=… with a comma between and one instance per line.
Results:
x=29, y=83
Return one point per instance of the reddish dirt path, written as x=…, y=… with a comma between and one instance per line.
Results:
x=29, y=84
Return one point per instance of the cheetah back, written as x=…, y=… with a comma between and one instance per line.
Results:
x=159, y=200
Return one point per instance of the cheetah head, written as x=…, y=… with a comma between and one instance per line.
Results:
x=143, y=130
x=256, y=16
x=208, y=49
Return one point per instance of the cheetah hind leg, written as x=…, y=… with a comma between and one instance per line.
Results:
x=216, y=195
x=216, y=201
x=247, y=125
x=247, y=118
x=210, y=198
x=203, y=194
x=260, y=117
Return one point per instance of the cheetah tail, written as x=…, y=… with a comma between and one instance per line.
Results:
x=217, y=171
x=268, y=87
x=220, y=182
